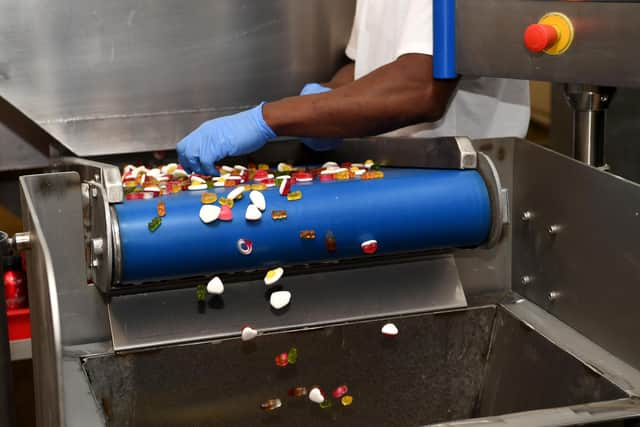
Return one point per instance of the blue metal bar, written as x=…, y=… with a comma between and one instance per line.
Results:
x=407, y=210
x=444, y=39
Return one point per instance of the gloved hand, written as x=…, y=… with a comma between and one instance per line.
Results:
x=234, y=135
x=318, y=144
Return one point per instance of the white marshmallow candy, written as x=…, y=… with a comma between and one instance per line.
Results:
x=389, y=330
x=248, y=333
x=252, y=213
x=209, y=213
x=215, y=286
x=273, y=276
x=257, y=198
x=280, y=299
x=179, y=173
x=316, y=396
x=233, y=194
x=197, y=180
x=197, y=187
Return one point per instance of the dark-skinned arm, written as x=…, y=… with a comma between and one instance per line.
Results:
x=398, y=94
x=343, y=76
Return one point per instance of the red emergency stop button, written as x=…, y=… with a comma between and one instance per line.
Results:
x=538, y=37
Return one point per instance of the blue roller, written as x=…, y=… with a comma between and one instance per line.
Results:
x=444, y=39
x=407, y=210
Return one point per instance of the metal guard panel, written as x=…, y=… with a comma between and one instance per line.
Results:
x=592, y=264
x=408, y=210
x=120, y=76
x=489, y=41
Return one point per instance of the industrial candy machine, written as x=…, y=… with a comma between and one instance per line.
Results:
x=389, y=282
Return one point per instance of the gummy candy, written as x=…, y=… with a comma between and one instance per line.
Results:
x=208, y=198
x=369, y=247
x=282, y=360
x=330, y=241
x=201, y=292
x=293, y=355
x=297, y=391
x=340, y=391
x=308, y=234
x=225, y=213
x=258, y=187
x=294, y=195
x=278, y=214
x=154, y=224
x=226, y=202
x=263, y=166
x=341, y=176
x=346, y=400
x=326, y=404
x=161, y=208
x=271, y=404
x=284, y=186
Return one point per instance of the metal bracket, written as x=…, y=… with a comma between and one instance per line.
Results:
x=498, y=196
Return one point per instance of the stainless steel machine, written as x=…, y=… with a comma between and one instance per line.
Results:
x=526, y=317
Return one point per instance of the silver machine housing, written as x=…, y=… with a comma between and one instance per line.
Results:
x=537, y=327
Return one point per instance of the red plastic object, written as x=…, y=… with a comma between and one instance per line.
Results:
x=538, y=37
x=19, y=324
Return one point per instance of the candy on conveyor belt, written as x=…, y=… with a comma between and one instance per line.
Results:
x=278, y=214
x=326, y=404
x=233, y=194
x=369, y=247
x=154, y=224
x=208, y=198
x=280, y=299
x=215, y=286
x=294, y=195
x=252, y=213
x=245, y=246
x=308, y=234
x=330, y=241
x=257, y=198
x=248, y=333
x=201, y=292
x=209, y=213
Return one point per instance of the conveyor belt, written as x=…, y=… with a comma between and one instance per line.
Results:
x=408, y=210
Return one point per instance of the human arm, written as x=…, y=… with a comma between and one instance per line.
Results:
x=398, y=94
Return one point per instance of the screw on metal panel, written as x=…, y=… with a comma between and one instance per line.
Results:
x=553, y=295
x=526, y=280
x=554, y=229
x=527, y=215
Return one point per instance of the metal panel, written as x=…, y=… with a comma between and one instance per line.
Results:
x=122, y=76
x=578, y=254
x=64, y=310
x=605, y=35
x=488, y=271
x=141, y=320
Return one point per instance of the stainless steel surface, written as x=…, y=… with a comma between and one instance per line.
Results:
x=142, y=320
x=589, y=104
x=605, y=35
x=593, y=262
x=113, y=77
x=472, y=362
x=488, y=271
x=81, y=408
x=498, y=196
x=20, y=349
x=576, y=415
x=468, y=155
x=22, y=143
x=64, y=310
x=7, y=413
x=588, y=352
x=108, y=176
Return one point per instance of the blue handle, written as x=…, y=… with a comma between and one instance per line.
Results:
x=407, y=210
x=444, y=39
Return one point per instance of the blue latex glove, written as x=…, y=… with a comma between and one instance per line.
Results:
x=318, y=144
x=234, y=135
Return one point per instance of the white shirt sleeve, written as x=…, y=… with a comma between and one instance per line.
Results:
x=416, y=31
x=352, y=46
